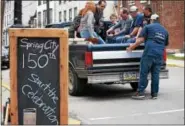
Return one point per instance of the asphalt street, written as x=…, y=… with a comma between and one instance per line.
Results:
x=112, y=104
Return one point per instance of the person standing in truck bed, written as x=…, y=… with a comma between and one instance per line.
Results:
x=87, y=23
x=98, y=15
x=155, y=37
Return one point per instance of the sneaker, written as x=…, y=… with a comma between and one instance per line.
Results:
x=139, y=96
x=154, y=96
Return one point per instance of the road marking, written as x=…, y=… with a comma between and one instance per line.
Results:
x=163, y=112
x=138, y=114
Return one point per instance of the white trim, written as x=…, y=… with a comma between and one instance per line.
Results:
x=117, y=54
x=131, y=2
x=143, y=1
x=116, y=64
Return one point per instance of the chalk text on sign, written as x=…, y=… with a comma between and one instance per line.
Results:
x=49, y=45
x=46, y=87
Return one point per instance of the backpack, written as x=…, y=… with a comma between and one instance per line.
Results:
x=74, y=26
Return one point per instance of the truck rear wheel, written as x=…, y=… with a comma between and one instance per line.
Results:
x=134, y=85
x=76, y=85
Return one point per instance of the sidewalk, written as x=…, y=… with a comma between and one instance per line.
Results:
x=177, y=63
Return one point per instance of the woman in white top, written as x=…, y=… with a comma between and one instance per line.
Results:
x=87, y=23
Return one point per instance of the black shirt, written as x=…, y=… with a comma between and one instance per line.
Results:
x=146, y=20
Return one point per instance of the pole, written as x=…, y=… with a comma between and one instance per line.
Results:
x=48, y=14
x=17, y=12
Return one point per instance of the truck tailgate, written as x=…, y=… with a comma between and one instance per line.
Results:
x=112, y=63
x=114, y=57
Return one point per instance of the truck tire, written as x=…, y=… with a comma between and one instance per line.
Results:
x=134, y=85
x=76, y=85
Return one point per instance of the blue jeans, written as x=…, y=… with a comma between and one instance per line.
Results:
x=116, y=39
x=153, y=65
x=130, y=40
x=85, y=34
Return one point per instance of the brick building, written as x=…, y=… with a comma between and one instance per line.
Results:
x=171, y=16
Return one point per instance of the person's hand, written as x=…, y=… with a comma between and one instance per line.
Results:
x=130, y=48
x=110, y=35
x=127, y=36
x=116, y=33
x=108, y=32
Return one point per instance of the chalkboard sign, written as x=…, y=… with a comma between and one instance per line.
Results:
x=39, y=76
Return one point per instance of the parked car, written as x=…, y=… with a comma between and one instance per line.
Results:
x=5, y=57
x=104, y=64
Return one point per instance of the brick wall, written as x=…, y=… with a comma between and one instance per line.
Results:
x=172, y=17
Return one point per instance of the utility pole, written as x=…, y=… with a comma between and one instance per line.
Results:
x=17, y=12
x=48, y=14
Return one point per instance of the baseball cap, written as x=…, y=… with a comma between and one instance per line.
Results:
x=133, y=9
x=154, y=16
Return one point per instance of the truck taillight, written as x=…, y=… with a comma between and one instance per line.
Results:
x=88, y=59
x=164, y=55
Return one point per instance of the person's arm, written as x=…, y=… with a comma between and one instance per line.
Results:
x=114, y=27
x=75, y=34
x=126, y=28
x=142, y=37
x=90, y=18
x=138, y=23
x=139, y=31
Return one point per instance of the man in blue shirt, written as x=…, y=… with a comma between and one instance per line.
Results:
x=155, y=37
x=136, y=24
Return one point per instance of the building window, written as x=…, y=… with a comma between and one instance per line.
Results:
x=70, y=14
x=60, y=16
x=51, y=15
x=39, y=19
x=145, y=1
x=131, y=2
x=5, y=21
x=44, y=17
x=60, y=1
x=75, y=11
x=65, y=19
x=39, y=2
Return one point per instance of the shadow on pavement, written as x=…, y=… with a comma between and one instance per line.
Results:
x=106, y=92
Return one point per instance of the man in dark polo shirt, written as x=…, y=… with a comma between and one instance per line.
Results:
x=98, y=15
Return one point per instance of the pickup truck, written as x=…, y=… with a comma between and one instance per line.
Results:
x=104, y=64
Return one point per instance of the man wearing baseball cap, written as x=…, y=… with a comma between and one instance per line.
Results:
x=155, y=37
x=137, y=23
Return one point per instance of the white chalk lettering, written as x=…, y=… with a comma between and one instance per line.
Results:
x=48, y=45
x=46, y=87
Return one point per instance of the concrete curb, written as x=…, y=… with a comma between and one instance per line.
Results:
x=70, y=120
x=174, y=65
x=73, y=121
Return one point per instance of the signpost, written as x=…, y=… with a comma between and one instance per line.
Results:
x=39, y=76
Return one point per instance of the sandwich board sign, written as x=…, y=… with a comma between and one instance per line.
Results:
x=38, y=76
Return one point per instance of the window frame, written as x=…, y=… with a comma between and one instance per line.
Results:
x=131, y=2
